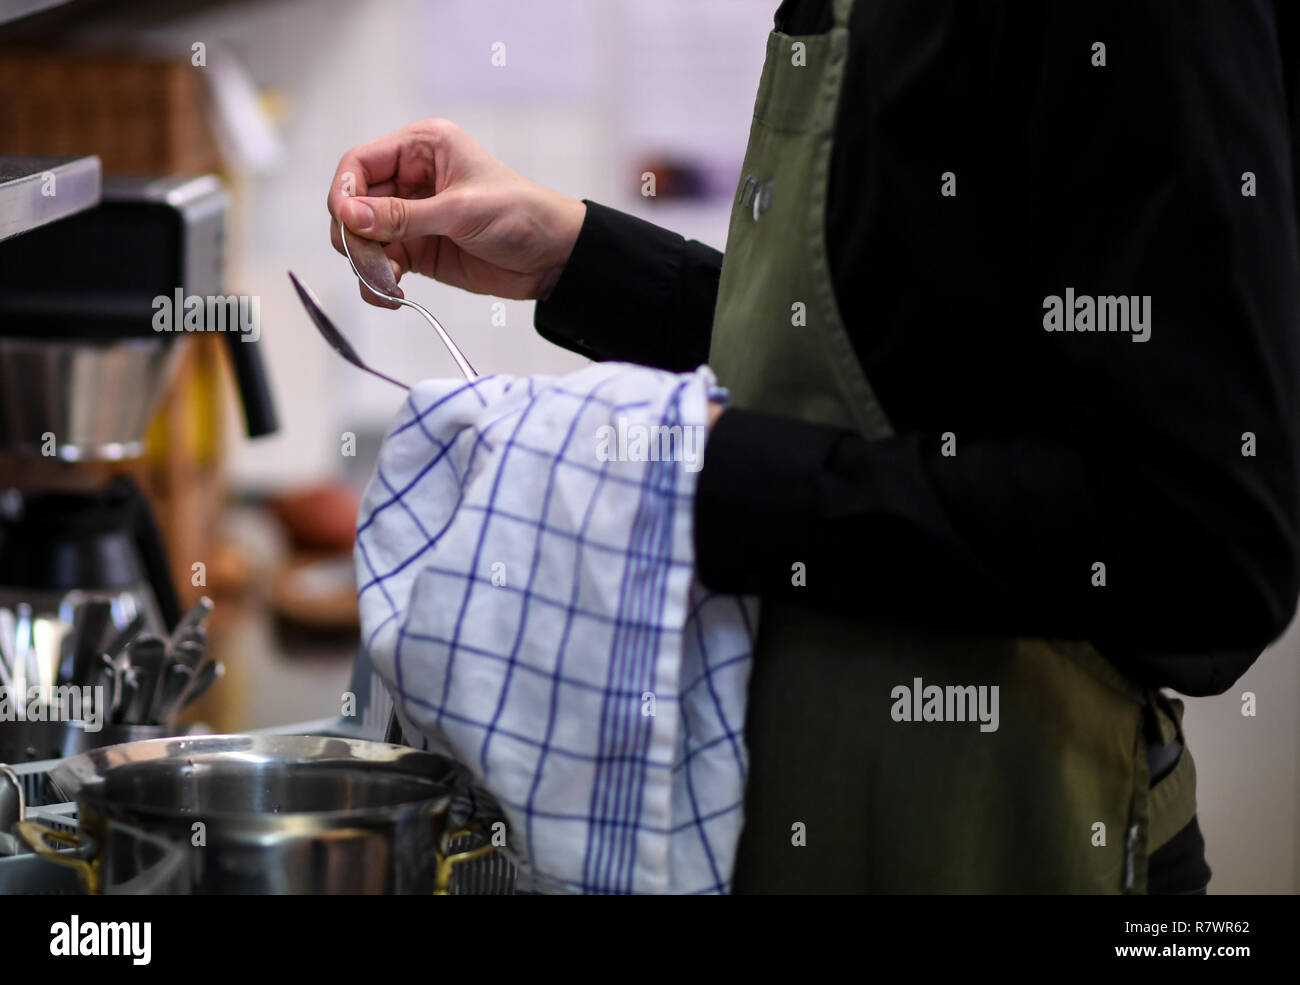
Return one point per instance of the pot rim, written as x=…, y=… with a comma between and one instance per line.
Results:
x=82, y=777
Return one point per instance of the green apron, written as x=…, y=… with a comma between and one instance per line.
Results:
x=840, y=796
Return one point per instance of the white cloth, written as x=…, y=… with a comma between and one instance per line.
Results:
x=526, y=581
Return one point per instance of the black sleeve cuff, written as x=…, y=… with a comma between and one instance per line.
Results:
x=757, y=500
x=634, y=292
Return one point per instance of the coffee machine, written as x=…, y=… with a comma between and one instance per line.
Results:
x=85, y=359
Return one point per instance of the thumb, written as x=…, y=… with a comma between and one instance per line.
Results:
x=391, y=220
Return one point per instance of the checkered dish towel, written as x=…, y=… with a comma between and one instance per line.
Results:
x=527, y=591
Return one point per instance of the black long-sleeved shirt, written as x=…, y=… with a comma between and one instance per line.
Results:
x=1173, y=461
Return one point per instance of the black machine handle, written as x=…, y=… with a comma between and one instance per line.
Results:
x=153, y=554
x=254, y=391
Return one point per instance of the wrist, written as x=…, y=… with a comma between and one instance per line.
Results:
x=564, y=223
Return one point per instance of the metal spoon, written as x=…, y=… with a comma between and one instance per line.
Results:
x=125, y=635
x=90, y=623
x=128, y=707
x=148, y=656
x=190, y=654
x=332, y=335
x=371, y=265
x=191, y=622
x=175, y=683
x=203, y=679
x=7, y=647
x=47, y=651
x=20, y=671
x=103, y=674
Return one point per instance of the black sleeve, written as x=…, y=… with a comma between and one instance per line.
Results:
x=634, y=292
x=1173, y=462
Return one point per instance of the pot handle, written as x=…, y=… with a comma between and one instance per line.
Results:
x=38, y=838
x=447, y=862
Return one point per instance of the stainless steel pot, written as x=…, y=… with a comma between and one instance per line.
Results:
x=266, y=814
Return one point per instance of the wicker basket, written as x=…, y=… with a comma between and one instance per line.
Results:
x=140, y=115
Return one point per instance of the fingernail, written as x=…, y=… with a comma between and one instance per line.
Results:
x=363, y=216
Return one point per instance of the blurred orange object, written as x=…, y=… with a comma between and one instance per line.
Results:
x=322, y=518
x=316, y=591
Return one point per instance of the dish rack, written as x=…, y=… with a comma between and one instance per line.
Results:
x=493, y=874
x=29, y=874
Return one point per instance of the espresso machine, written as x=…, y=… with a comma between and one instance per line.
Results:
x=85, y=359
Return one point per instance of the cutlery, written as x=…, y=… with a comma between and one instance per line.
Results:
x=121, y=699
x=176, y=679
x=332, y=335
x=371, y=265
x=22, y=648
x=129, y=689
x=6, y=647
x=125, y=635
x=190, y=623
x=47, y=651
x=190, y=654
x=103, y=675
x=204, y=678
x=147, y=656
x=89, y=625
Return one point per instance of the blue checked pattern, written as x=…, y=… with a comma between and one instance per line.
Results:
x=532, y=606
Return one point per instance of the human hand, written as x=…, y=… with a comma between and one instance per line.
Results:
x=448, y=209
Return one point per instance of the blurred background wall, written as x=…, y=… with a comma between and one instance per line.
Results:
x=590, y=91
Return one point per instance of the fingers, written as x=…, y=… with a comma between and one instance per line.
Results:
x=366, y=166
x=406, y=158
x=391, y=219
x=368, y=169
x=383, y=188
x=402, y=164
x=398, y=257
x=349, y=179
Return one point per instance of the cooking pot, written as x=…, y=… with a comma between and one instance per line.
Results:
x=265, y=814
